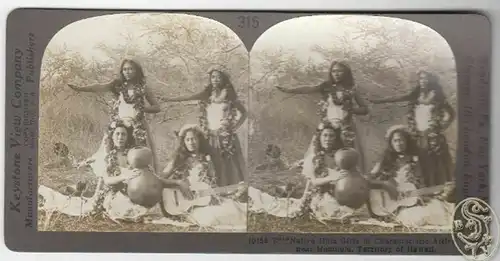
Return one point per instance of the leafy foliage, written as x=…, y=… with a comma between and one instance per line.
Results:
x=178, y=52
x=384, y=54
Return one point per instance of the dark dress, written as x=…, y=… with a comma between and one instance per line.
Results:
x=217, y=119
x=437, y=164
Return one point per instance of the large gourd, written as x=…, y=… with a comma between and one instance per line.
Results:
x=146, y=189
x=353, y=190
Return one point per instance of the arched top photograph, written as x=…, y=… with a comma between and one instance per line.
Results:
x=117, y=92
x=353, y=100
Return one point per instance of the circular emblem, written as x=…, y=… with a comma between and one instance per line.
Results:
x=475, y=229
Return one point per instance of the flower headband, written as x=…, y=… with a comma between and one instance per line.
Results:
x=394, y=128
x=187, y=127
x=126, y=123
x=219, y=68
x=325, y=125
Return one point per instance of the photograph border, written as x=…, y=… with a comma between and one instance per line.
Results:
x=473, y=63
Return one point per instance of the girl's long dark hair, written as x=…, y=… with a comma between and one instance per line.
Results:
x=182, y=153
x=433, y=85
x=140, y=77
x=110, y=145
x=390, y=155
x=348, y=78
x=225, y=85
x=317, y=138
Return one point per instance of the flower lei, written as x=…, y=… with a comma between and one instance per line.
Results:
x=226, y=133
x=138, y=100
x=320, y=171
x=113, y=170
x=347, y=129
x=319, y=161
x=435, y=125
x=436, y=147
x=411, y=174
x=180, y=171
x=204, y=173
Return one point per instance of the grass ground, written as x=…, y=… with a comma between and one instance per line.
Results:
x=60, y=179
x=61, y=222
x=267, y=223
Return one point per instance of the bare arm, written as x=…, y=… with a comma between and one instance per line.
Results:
x=301, y=90
x=321, y=181
x=378, y=184
x=450, y=115
x=191, y=97
x=168, y=172
x=399, y=98
x=153, y=107
x=106, y=87
x=244, y=114
x=376, y=169
x=362, y=108
x=126, y=175
x=170, y=182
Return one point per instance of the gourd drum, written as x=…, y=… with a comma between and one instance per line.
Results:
x=353, y=190
x=146, y=189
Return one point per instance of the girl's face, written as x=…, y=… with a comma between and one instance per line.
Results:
x=120, y=137
x=216, y=78
x=338, y=72
x=327, y=138
x=129, y=71
x=398, y=142
x=423, y=80
x=191, y=141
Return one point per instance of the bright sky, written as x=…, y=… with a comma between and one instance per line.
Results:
x=297, y=35
x=300, y=34
x=84, y=35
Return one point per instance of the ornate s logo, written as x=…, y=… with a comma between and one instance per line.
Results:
x=475, y=229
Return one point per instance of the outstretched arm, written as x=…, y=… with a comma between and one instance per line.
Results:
x=362, y=108
x=153, y=107
x=191, y=97
x=399, y=98
x=301, y=90
x=106, y=87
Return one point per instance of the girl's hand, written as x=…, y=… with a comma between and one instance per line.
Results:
x=225, y=123
x=343, y=173
x=447, y=191
x=281, y=88
x=185, y=190
x=74, y=87
x=84, y=163
x=392, y=190
x=297, y=165
x=132, y=174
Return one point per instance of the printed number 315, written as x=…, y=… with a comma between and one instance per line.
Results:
x=248, y=21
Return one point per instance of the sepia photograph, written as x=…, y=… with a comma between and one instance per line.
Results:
x=143, y=126
x=352, y=127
